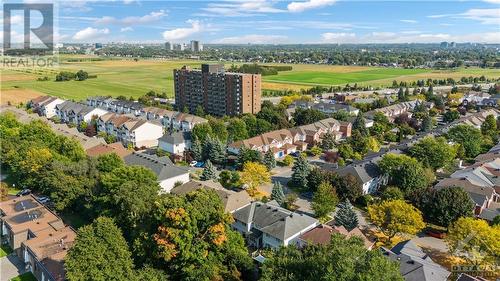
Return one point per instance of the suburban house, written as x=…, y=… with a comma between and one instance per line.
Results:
x=105, y=148
x=481, y=180
x=76, y=113
x=186, y=122
x=367, y=173
x=102, y=102
x=322, y=235
x=393, y=111
x=286, y=141
x=414, y=263
x=168, y=174
x=475, y=120
x=326, y=107
x=231, y=200
x=477, y=98
x=37, y=236
x=45, y=105
x=175, y=143
x=130, y=130
x=267, y=225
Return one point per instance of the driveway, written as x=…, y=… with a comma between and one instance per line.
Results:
x=10, y=267
x=429, y=242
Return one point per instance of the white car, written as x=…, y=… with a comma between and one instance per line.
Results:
x=193, y=163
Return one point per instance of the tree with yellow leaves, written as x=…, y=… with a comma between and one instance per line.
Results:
x=254, y=174
x=396, y=216
x=474, y=240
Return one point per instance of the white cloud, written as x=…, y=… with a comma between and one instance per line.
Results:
x=151, y=17
x=331, y=37
x=126, y=2
x=309, y=4
x=240, y=8
x=184, y=32
x=90, y=33
x=485, y=16
x=253, y=39
x=409, y=21
x=126, y=29
x=492, y=1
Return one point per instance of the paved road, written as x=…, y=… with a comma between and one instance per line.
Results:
x=10, y=267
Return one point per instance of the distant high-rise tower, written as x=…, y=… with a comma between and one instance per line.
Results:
x=444, y=45
x=195, y=46
x=216, y=91
x=168, y=46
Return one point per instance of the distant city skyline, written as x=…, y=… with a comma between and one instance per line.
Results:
x=275, y=22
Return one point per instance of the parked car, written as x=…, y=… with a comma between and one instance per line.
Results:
x=193, y=163
x=295, y=154
x=43, y=199
x=23, y=192
x=200, y=165
x=436, y=233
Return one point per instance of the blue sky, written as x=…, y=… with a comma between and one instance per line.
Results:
x=268, y=21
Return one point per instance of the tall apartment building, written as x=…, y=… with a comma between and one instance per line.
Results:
x=216, y=91
x=196, y=46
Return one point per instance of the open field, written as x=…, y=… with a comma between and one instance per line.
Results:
x=134, y=78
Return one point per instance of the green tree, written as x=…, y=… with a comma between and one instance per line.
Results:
x=489, y=126
x=345, y=216
x=392, y=193
x=348, y=187
x=433, y=152
x=315, y=178
x=214, y=150
x=321, y=262
x=327, y=141
x=128, y=194
x=307, y=116
x=194, y=240
x=254, y=174
x=396, y=216
x=324, y=200
x=219, y=129
x=404, y=172
x=300, y=170
x=269, y=161
x=248, y=155
x=451, y=116
x=237, y=130
x=209, y=172
x=197, y=150
x=201, y=132
x=444, y=206
x=468, y=137
x=81, y=75
x=278, y=194
x=199, y=111
x=359, y=124
x=427, y=124
x=229, y=179
x=100, y=253
x=316, y=151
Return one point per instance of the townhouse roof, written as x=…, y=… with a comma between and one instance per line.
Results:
x=86, y=141
x=324, y=106
x=128, y=104
x=161, y=166
x=364, y=172
x=414, y=264
x=231, y=200
x=159, y=111
x=175, y=138
x=116, y=119
x=185, y=117
x=322, y=234
x=468, y=186
x=274, y=220
x=40, y=99
x=50, y=248
x=77, y=108
x=25, y=213
x=492, y=211
x=102, y=149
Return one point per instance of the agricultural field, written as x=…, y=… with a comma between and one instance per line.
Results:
x=135, y=78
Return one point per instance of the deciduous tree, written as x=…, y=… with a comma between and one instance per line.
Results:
x=324, y=200
x=255, y=174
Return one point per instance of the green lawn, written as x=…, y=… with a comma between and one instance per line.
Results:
x=5, y=250
x=332, y=78
x=28, y=276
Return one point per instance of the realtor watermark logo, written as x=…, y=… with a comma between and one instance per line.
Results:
x=32, y=45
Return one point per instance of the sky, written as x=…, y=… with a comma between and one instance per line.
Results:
x=273, y=22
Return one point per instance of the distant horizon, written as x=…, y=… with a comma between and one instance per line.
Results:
x=273, y=22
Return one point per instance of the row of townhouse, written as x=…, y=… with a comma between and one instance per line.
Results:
x=479, y=98
x=325, y=107
x=286, y=141
x=481, y=181
x=116, y=106
x=476, y=119
x=38, y=237
x=45, y=105
x=128, y=129
x=172, y=120
x=75, y=113
x=393, y=111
